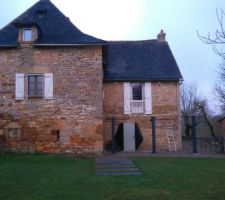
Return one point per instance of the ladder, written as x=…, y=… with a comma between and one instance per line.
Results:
x=171, y=137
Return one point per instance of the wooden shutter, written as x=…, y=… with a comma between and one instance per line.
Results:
x=127, y=96
x=148, y=98
x=19, y=89
x=48, y=86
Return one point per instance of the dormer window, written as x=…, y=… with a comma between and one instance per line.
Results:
x=27, y=34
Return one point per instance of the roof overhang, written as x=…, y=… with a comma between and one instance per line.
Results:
x=68, y=45
x=143, y=80
x=9, y=46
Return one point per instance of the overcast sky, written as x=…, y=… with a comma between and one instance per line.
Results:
x=143, y=19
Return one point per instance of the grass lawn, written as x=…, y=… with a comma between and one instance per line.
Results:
x=37, y=177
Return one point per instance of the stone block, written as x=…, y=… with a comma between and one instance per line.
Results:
x=165, y=104
x=77, y=103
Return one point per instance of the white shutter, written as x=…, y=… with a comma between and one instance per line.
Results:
x=48, y=86
x=148, y=98
x=19, y=90
x=127, y=106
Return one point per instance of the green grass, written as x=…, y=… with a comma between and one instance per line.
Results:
x=36, y=177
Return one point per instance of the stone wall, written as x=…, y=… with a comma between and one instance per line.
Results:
x=76, y=110
x=165, y=104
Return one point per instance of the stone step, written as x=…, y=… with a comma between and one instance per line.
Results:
x=119, y=173
x=115, y=166
x=114, y=162
x=118, y=169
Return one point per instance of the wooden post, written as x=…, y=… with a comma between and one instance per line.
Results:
x=194, y=137
x=113, y=136
x=153, y=135
x=222, y=144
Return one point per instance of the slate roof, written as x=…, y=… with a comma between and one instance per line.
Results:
x=147, y=60
x=54, y=27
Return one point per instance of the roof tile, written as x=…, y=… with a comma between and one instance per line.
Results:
x=146, y=60
x=54, y=27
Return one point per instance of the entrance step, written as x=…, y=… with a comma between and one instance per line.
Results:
x=118, y=173
x=116, y=166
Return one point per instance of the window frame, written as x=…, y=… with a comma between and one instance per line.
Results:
x=24, y=35
x=137, y=106
x=36, y=95
x=142, y=91
x=13, y=134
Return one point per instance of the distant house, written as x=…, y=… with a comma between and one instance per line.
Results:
x=221, y=125
x=60, y=88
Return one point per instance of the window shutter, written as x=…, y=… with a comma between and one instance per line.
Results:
x=148, y=98
x=19, y=92
x=127, y=106
x=48, y=86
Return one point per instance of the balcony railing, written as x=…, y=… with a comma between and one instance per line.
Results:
x=137, y=106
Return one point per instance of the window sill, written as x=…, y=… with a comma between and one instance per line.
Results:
x=138, y=114
x=35, y=97
x=26, y=42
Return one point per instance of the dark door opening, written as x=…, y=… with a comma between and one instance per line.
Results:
x=119, y=137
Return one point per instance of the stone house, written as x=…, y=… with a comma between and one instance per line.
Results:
x=221, y=125
x=60, y=88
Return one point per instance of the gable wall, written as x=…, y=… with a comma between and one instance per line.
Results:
x=165, y=105
x=76, y=109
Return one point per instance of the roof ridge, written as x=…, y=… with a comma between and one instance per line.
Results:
x=131, y=40
x=144, y=60
x=51, y=32
x=66, y=17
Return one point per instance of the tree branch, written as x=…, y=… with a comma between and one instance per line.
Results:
x=219, y=35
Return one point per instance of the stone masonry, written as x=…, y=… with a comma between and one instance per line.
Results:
x=77, y=108
x=60, y=88
x=76, y=111
x=165, y=104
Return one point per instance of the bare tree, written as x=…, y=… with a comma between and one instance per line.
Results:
x=206, y=113
x=219, y=87
x=218, y=42
x=218, y=39
x=189, y=97
x=195, y=104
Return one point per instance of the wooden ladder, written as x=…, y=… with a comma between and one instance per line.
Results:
x=170, y=137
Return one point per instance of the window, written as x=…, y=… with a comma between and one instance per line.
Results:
x=56, y=134
x=137, y=91
x=35, y=86
x=27, y=34
x=137, y=103
x=137, y=98
x=13, y=134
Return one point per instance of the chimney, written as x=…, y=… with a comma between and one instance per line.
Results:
x=161, y=36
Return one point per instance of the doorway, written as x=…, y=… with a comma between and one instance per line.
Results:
x=128, y=137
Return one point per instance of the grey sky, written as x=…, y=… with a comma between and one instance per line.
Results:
x=143, y=19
